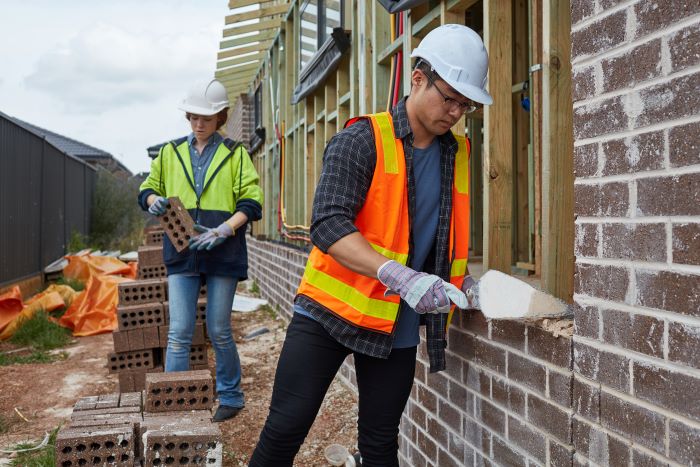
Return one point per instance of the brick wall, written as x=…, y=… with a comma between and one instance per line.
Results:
x=506, y=396
x=240, y=122
x=636, y=391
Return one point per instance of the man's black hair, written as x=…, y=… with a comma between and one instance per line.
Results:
x=427, y=69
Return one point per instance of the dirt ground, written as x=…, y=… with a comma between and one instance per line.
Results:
x=36, y=398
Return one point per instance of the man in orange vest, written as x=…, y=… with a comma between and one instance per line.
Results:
x=390, y=229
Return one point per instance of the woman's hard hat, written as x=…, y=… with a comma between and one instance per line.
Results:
x=458, y=56
x=206, y=98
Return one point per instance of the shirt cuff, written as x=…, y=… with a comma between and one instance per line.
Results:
x=250, y=208
x=143, y=198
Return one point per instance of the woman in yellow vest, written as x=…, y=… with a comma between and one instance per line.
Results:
x=217, y=183
x=390, y=226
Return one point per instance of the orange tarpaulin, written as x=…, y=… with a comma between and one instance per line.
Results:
x=47, y=301
x=94, y=310
x=10, y=306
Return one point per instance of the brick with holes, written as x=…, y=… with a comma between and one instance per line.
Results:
x=95, y=446
x=177, y=224
x=154, y=238
x=152, y=272
x=183, y=445
x=177, y=391
x=141, y=316
x=132, y=360
x=142, y=291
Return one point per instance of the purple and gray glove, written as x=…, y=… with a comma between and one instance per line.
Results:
x=425, y=293
x=470, y=288
x=210, y=237
x=158, y=206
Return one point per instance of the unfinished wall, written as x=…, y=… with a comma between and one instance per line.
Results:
x=240, y=124
x=637, y=197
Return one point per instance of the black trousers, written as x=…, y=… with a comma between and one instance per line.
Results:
x=308, y=363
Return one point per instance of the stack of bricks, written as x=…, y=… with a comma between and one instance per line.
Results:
x=172, y=426
x=141, y=339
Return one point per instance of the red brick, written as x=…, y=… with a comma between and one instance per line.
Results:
x=95, y=446
x=586, y=240
x=136, y=339
x=599, y=36
x=560, y=455
x=686, y=243
x=460, y=343
x=684, y=47
x=664, y=196
x=640, y=333
x=132, y=360
x=610, y=199
x=177, y=223
x=197, y=443
x=508, y=396
x=527, y=439
x=669, y=291
x=583, y=84
x=198, y=355
x=632, y=421
x=642, y=459
x=198, y=334
x=605, y=367
x=586, y=320
x=600, y=118
x=635, y=242
x=139, y=316
x=527, y=372
x=586, y=400
x=163, y=336
x=126, y=381
x=85, y=403
x=426, y=398
x=475, y=322
x=599, y=446
x=121, y=341
x=426, y=445
x=150, y=255
x=634, y=154
x=639, y=64
x=669, y=101
x=607, y=282
x=549, y=418
x=438, y=431
x=460, y=397
x=154, y=237
x=449, y=416
x=510, y=333
x=560, y=387
x=152, y=272
x=652, y=16
x=491, y=416
x=580, y=10
x=586, y=160
x=504, y=455
x=684, y=344
x=107, y=401
x=543, y=344
x=183, y=390
x=489, y=356
x=141, y=292
x=669, y=389
x=684, y=145
x=151, y=339
x=684, y=442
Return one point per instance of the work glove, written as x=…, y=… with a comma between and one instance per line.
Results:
x=209, y=238
x=425, y=293
x=472, y=292
x=158, y=206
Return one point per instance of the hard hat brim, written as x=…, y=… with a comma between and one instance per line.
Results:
x=193, y=109
x=471, y=92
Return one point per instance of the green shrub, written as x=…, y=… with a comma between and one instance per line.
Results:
x=117, y=220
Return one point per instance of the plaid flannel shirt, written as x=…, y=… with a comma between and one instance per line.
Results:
x=348, y=167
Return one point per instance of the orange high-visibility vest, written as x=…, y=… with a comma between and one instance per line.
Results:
x=384, y=222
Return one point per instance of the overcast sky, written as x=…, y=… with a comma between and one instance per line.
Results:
x=109, y=73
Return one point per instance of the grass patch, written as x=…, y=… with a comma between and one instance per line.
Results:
x=268, y=310
x=44, y=457
x=41, y=333
x=255, y=288
x=36, y=356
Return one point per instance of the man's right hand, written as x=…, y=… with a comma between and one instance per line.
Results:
x=158, y=206
x=425, y=293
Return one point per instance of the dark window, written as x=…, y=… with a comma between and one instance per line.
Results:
x=318, y=19
x=257, y=103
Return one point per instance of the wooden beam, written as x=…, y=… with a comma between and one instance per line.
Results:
x=242, y=81
x=385, y=55
x=536, y=122
x=236, y=70
x=239, y=60
x=260, y=26
x=232, y=4
x=262, y=36
x=244, y=50
x=262, y=13
x=557, y=152
x=459, y=6
x=498, y=138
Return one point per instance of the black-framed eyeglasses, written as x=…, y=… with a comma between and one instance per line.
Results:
x=450, y=102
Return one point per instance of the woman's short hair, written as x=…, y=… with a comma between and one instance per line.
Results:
x=221, y=117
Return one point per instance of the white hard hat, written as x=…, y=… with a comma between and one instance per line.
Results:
x=458, y=56
x=205, y=98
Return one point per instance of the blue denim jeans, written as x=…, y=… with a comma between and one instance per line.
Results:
x=183, y=291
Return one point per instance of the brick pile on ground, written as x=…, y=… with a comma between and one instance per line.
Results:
x=141, y=338
x=168, y=424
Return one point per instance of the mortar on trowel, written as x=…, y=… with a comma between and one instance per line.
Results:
x=500, y=296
